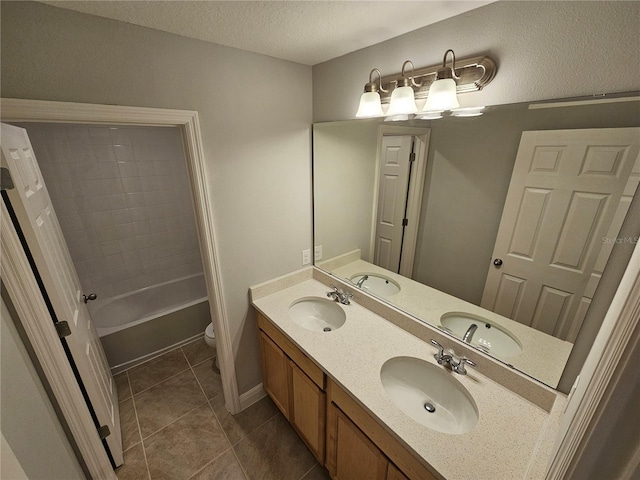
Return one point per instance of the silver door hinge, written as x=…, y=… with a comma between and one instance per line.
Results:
x=6, y=182
x=104, y=432
x=63, y=329
x=405, y=222
x=412, y=157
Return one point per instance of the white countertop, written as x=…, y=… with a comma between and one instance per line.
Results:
x=503, y=444
x=543, y=356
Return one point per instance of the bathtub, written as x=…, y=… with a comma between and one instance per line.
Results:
x=136, y=326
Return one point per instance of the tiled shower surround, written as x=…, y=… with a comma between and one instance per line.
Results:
x=123, y=200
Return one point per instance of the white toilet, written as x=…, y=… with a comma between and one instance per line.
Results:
x=210, y=338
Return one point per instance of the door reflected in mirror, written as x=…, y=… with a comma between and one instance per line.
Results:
x=510, y=216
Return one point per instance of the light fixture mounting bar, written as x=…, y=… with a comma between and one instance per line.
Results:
x=474, y=74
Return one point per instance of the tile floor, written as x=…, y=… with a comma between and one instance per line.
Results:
x=175, y=426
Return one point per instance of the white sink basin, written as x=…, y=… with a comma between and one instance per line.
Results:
x=429, y=394
x=488, y=337
x=376, y=284
x=317, y=314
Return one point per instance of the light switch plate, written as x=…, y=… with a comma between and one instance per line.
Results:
x=318, y=253
x=306, y=256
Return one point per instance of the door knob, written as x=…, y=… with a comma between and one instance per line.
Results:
x=497, y=262
x=91, y=296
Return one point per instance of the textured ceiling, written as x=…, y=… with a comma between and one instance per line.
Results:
x=307, y=32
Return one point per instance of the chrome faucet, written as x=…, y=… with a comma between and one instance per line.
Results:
x=339, y=295
x=469, y=333
x=450, y=360
x=362, y=280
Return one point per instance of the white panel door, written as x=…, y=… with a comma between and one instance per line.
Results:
x=39, y=223
x=392, y=200
x=567, y=199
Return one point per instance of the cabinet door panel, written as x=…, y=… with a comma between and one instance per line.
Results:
x=395, y=474
x=308, y=411
x=353, y=455
x=275, y=373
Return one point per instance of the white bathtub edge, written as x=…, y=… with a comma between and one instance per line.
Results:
x=150, y=356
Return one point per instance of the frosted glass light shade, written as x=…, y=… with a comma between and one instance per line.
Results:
x=442, y=96
x=402, y=102
x=370, y=105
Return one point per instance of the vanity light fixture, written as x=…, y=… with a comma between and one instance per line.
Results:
x=402, y=90
x=370, y=104
x=403, y=101
x=442, y=94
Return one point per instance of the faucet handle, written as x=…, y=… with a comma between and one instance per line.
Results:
x=459, y=367
x=438, y=356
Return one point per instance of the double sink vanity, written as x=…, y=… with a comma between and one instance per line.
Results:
x=376, y=394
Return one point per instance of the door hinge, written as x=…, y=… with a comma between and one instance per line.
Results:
x=412, y=157
x=63, y=329
x=405, y=222
x=104, y=432
x=6, y=182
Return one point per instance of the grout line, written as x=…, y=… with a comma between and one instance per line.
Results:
x=172, y=421
x=210, y=462
x=242, y=469
x=156, y=384
x=309, y=471
x=258, y=427
x=135, y=410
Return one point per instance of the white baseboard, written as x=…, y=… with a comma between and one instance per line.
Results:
x=252, y=396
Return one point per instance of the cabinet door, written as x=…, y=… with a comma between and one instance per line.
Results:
x=350, y=454
x=395, y=474
x=275, y=373
x=308, y=411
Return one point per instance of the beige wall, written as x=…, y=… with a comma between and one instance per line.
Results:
x=344, y=183
x=29, y=422
x=543, y=50
x=255, y=114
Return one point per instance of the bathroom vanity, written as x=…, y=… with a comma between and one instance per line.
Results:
x=340, y=385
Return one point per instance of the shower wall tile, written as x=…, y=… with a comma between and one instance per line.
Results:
x=123, y=200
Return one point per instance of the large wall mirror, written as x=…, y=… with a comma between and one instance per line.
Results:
x=495, y=229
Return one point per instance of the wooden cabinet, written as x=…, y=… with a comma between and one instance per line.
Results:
x=296, y=386
x=394, y=474
x=359, y=448
x=308, y=411
x=340, y=433
x=275, y=373
x=351, y=455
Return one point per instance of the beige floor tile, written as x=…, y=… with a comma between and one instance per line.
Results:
x=135, y=467
x=162, y=404
x=122, y=385
x=197, y=351
x=225, y=467
x=239, y=426
x=209, y=380
x=274, y=452
x=128, y=424
x=184, y=447
x=157, y=370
